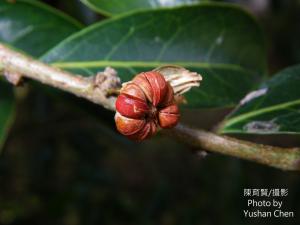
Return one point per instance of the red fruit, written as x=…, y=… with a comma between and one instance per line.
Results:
x=158, y=85
x=147, y=131
x=144, y=104
x=168, y=117
x=131, y=107
x=134, y=90
x=128, y=126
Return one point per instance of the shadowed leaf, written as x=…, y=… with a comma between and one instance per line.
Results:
x=115, y=7
x=219, y=41
x=34, y=28
x=272, y=109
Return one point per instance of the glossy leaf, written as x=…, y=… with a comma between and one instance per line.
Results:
x=115, y=7
x=272, y=109
x=221, y=42
x=32, y=26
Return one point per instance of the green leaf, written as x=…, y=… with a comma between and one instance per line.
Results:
x=219, y=41
x=33, y=27
x=7, y=110
x=274, y=108
x=115, y=7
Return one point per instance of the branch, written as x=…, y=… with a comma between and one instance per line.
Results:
x=282, y=158
x=97, y=89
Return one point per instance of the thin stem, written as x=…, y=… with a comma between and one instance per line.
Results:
x=98, y=90
x=17, y=63
x=282, y=158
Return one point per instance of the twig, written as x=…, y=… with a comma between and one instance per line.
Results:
x=94, y=89
x=282, y=158
x=99, y=88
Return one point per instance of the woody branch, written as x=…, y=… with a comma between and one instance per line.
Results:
x=97, y=89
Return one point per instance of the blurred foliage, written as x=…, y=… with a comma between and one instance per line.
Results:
x=61, y=165
x=31, y=27
x=7, y=112
x=64, y=164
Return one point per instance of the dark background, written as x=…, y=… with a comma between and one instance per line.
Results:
x=65, y=164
